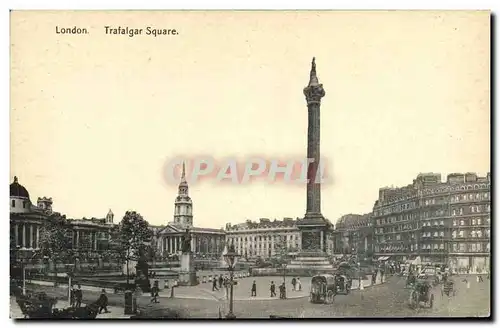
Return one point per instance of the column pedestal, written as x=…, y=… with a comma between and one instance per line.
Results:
x=187, y=274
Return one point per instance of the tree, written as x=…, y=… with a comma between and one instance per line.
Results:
x=131, y=238
x=55, y=241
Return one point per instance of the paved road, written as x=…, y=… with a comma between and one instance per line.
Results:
x=386, y=300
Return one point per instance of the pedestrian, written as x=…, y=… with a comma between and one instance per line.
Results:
x=299, y=284
x=78, y=297
x=103, y=302
x=155, y=292
x=273, y=289
x=72, y=296
x=480, y=278
x=294, y=282
x=282, y=292
x=374, y=278
x=221, y=280
x=254, y=289
x=214, y=285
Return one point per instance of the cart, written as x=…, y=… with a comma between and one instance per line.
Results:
x=421, y=293
x=322, y=289
x=448, y=288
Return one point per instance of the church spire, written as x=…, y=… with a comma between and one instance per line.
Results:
x=183, y=176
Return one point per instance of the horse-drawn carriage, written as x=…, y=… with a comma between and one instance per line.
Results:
x=343, y=284
x=448, y=288
x=421, y=293
x=40, y=306
x=323, y=289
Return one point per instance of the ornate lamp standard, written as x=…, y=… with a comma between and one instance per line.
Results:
x=231, y=258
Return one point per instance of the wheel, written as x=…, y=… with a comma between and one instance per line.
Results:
x=330, y=297
x=431, y=302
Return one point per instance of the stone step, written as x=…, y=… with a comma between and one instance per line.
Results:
x=310, y=260
x=309, y=266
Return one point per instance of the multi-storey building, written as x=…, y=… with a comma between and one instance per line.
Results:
x=441, y=222
x=353, y=234
x=264, y=238
x=90, y=236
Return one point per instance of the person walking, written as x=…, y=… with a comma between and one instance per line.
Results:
x=221, y=280
x=214, y=285
x=155, y=292
x=78, y=296
x=273, y=289
x=72, y=296
x=294, y=283
x=299, y=285
x=282, y=292
x=254, y=289
x=103, y=302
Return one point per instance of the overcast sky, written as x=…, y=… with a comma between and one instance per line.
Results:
x=94, y=118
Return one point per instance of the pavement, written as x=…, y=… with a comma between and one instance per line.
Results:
x=242, y=291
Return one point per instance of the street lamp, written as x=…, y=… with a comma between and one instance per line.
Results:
x=231, y=257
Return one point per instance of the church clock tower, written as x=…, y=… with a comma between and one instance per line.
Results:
x=183, y=212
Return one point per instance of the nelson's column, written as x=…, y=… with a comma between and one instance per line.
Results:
x=314, y=226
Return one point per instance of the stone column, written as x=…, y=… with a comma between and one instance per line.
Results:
x=32, y=240
x=16, y=234
x=321, y=239
x=77, y=245
x=192, y=243
x=24, y=236
x=95, y=241
x=37, y=245
x=170, y=246
x=313, y=93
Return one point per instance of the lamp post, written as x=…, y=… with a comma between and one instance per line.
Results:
x=231, y=257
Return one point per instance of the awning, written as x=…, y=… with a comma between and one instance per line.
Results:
x=383, y=258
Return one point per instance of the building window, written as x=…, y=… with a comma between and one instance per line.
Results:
x=473, y=221
x=461, y=234
x=13, y=203
x=478, y=221
x=461, y=211
x=435, y=233
x=454, y=234
x=479, y=234
x=454, y=222
x=461, y=247
x=454, y=212
x=441, y=222
x=441, y=246
x=473, y=234
x=488, y=247
x=473, y=247
x=472, y=209
x=462, y=222
x=441, y=234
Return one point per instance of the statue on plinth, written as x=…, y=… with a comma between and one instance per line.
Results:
x=186, y=245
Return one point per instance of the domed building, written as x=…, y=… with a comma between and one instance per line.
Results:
x=27, y=219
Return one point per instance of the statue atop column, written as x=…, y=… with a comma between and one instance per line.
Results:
x=186, y=245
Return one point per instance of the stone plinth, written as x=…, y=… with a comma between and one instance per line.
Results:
x=187, y=273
